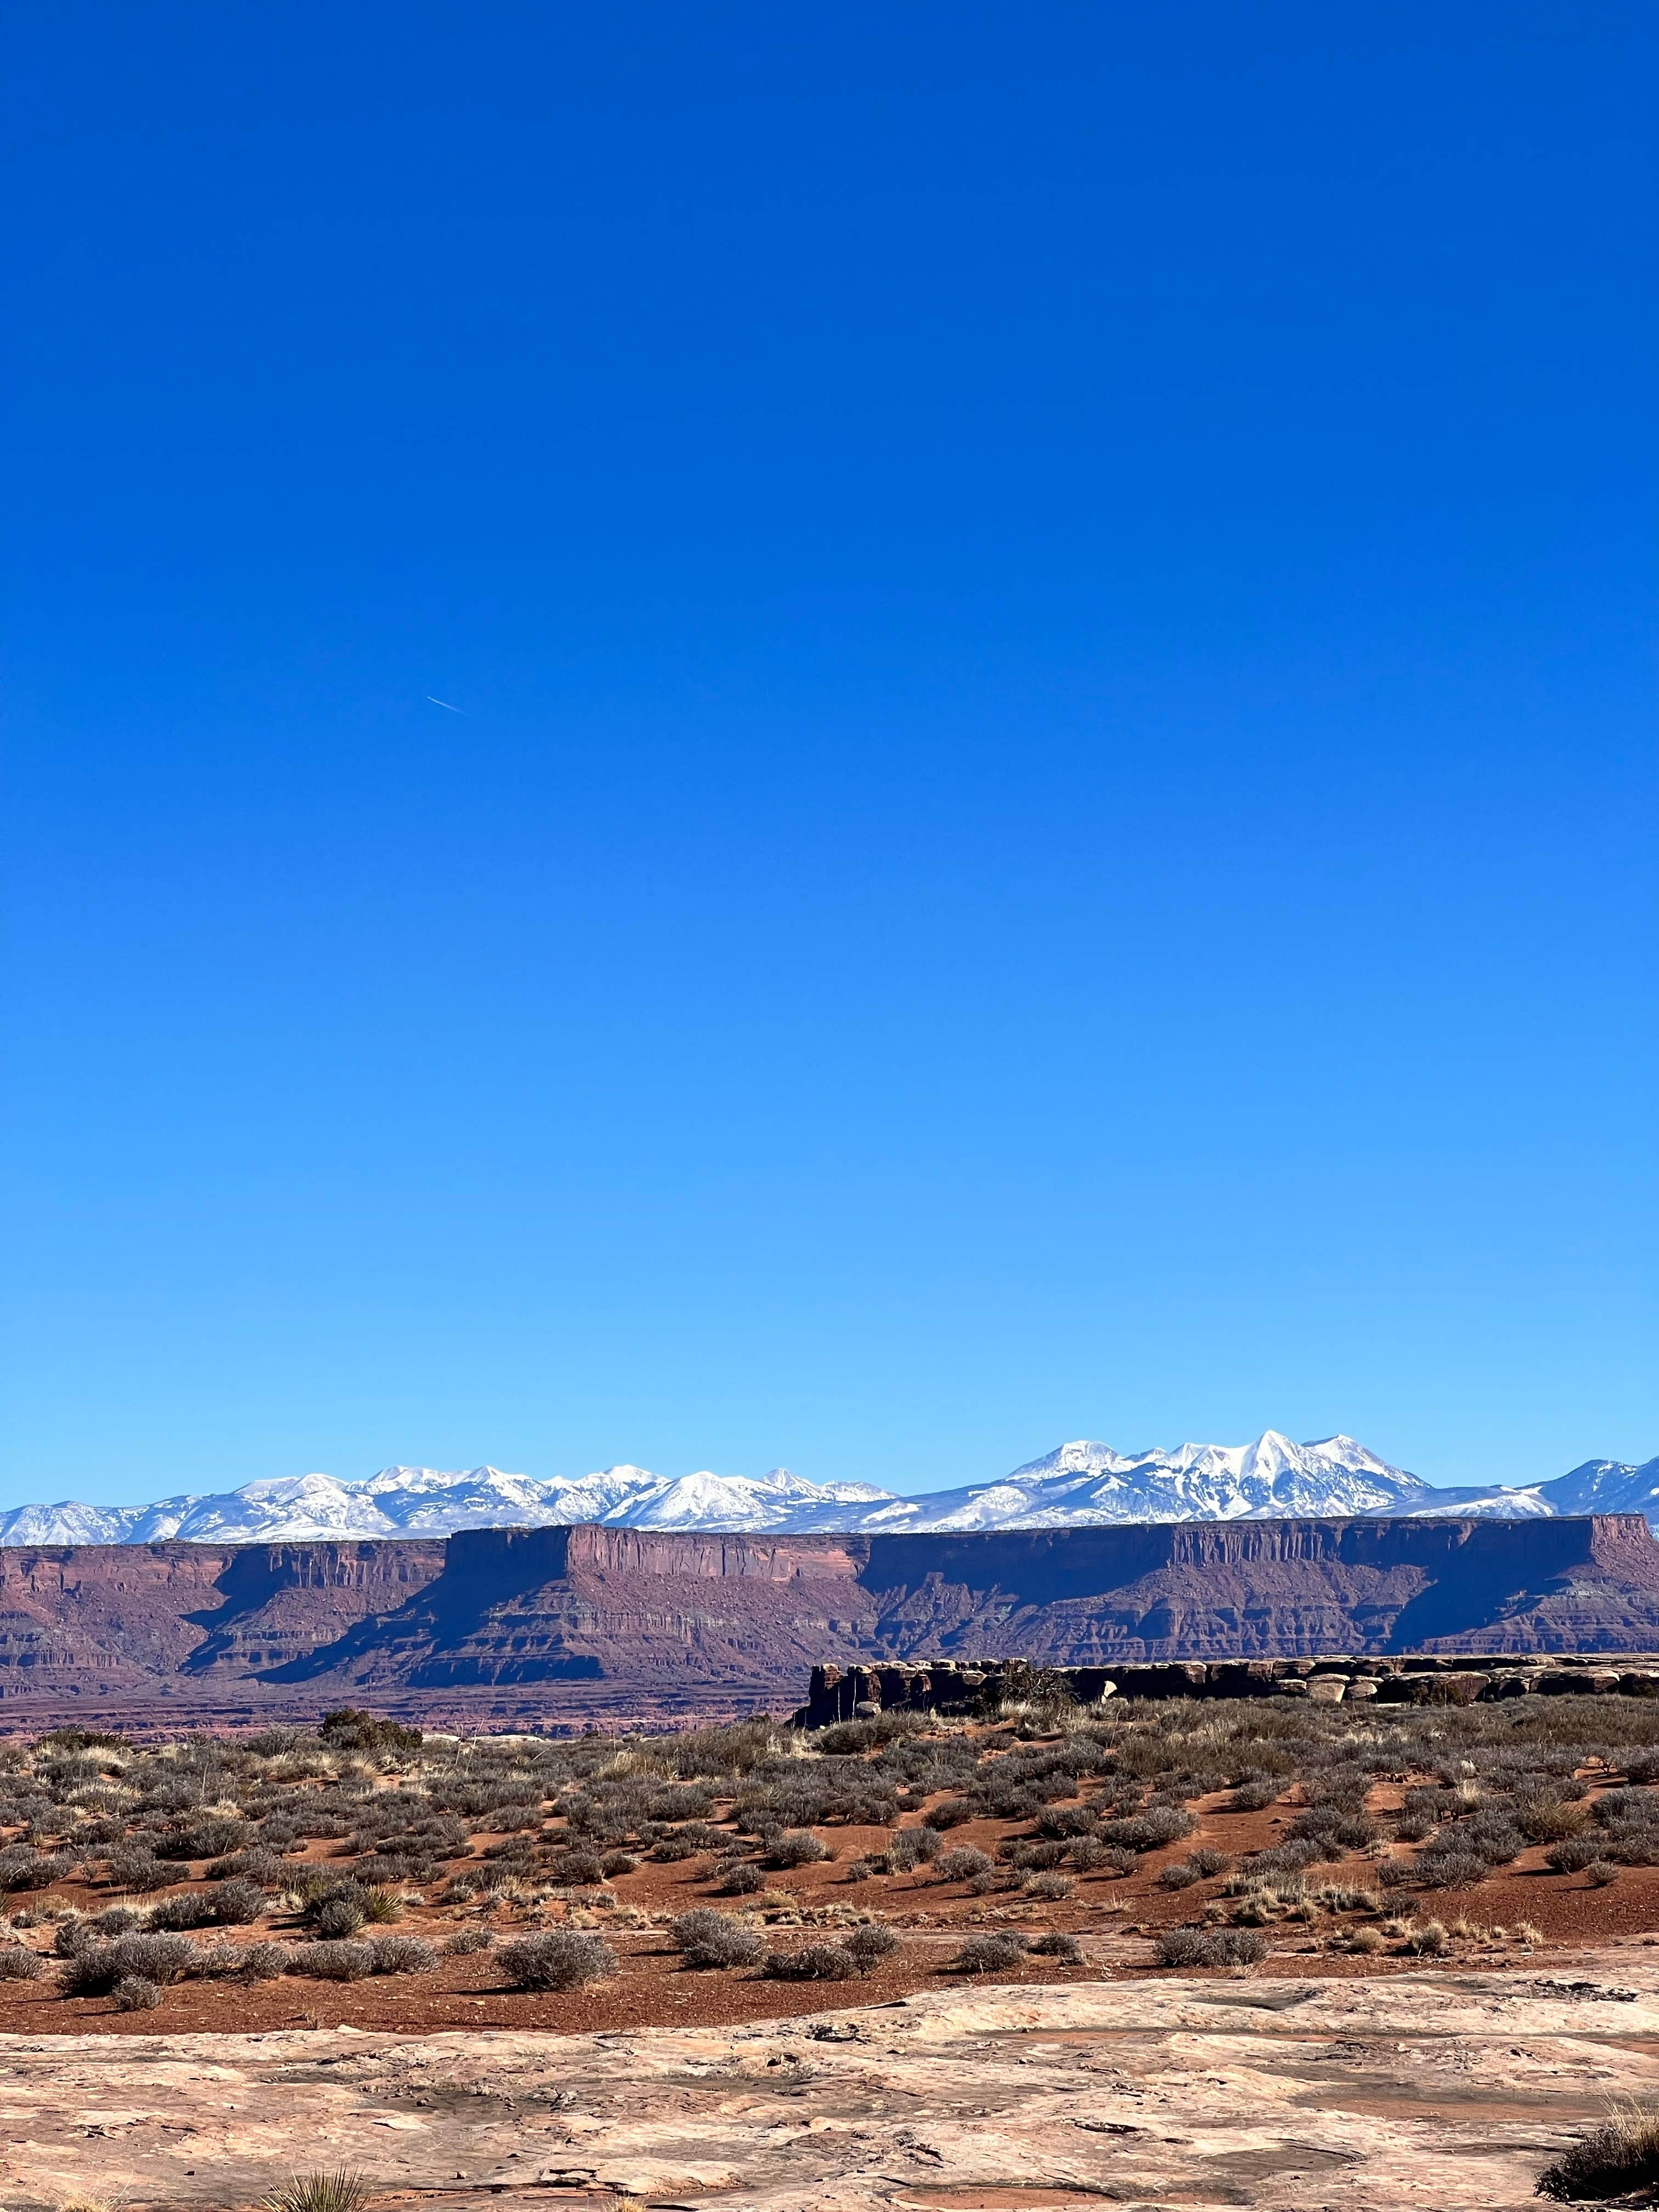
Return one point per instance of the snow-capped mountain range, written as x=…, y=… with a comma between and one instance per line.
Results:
x=1079, y=1485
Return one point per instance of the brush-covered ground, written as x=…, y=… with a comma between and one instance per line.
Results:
x=365, y=1876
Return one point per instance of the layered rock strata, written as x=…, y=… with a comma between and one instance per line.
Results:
x=554, y=1622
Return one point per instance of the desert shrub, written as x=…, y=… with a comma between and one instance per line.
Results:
x=1497, y=1841
x=95, y=1970
x=23, y=1868
x=132, y=1993
x=951, y=1813
x=401, y=1954
x=207, y=1836
x=1548, y=1819
x=818, y=1962
x=320, y=2192
x=913, y=1847
x=584, y=1869
x=740, y=1878
x=1087, y=1855
x=674, y=1846
x=1062, y=1822
x=1149, y=1831
x=213, y=1961
x=1428, y=1939
x=329, y=1960
x=962, y=1863
x=1256, y=1793
x=135, y=1868
x=1450, y=1869
x=1180, y=1873
x=1574, y=1854
x=19, y=1964
x=1049, y=1888
x=1211, y=1947
x=1600, y=1873
x=869, y=1945
x=1030, y=1858
x=1294, y=1857
x=190, y=1909
x=798, y=1847
x=616, y=1862
x=338, y=1915
x=1210, y=1862
x=114, y=1920
x=561, y=1959
x=1625, y=1807
x=988, y=1954
x=256, y=1865
x=382, y=1907
x=1064, y=1947
x=1617, y=2159
x=266, y=1962
x=467, y=1941
x=350, y=1730
x=707, y=1938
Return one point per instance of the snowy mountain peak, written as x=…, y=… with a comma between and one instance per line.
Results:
x=1081, y=1483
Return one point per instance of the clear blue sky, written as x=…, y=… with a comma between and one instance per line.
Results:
x=1052, y=827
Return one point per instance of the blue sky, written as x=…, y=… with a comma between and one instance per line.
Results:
x=1051, y=827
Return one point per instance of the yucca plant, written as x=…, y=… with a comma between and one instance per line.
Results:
x=319, y=2192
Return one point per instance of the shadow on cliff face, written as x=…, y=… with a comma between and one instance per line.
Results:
x=485, y=1574
x=280, y=1601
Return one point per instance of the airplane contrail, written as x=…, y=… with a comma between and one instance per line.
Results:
x=444, y=702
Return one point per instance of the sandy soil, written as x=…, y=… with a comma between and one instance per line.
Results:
x=1439, y=2092
x=1113, y=1919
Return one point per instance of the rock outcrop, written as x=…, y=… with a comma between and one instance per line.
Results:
x=549, y=1618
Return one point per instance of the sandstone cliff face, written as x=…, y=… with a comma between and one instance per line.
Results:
x=90, y=1619
x=652, y=1614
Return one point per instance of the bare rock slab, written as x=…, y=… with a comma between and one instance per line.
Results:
x=1438, y=2091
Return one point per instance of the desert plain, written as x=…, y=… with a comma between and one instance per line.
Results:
x=1260, y=1954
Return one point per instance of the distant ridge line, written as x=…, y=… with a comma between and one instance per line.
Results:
x=1078, y=1484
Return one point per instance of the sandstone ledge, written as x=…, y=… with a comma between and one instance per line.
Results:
x=1449, y=2091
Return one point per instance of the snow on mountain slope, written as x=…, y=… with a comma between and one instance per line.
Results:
x=1606, y=1486
x=1080, y=1484
x=1087, y=1485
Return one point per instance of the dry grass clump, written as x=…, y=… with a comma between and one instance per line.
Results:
x=816, y=1962
x=1615, y=2159
x=320, y=2192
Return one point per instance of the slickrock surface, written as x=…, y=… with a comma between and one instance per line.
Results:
x=1438, y=2092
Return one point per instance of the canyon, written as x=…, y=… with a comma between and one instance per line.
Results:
x=557, y=1626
